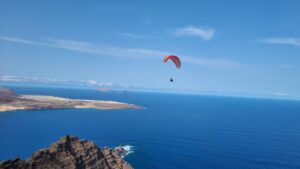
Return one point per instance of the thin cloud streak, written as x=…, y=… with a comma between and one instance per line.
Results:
x=135, y=36
x=283, y=41
x=215, y=63
x=100, y=49
x=136, y=53
x=192, y=31
x=24, y=41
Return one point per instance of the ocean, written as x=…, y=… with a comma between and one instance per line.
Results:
x=173, y=131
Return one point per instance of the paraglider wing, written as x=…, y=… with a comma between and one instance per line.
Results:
x=175, y=59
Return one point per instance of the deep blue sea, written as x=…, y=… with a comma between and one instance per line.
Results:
x=174, y=131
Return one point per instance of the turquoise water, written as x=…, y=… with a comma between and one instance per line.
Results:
x=172, y=132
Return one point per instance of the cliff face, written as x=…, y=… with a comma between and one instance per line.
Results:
x=70, y=153
x=7, y=95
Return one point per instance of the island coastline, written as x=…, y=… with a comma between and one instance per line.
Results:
x=13, y=102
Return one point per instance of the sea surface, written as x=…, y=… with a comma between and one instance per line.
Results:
x=173, y=131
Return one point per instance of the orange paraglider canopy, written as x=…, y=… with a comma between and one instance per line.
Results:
x=175, y=59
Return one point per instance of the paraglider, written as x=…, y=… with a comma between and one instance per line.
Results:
x=176, y=61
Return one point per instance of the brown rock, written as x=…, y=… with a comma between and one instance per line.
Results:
x=70, y=153
x=7, y=95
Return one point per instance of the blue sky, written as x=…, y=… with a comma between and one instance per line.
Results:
x=239, y=47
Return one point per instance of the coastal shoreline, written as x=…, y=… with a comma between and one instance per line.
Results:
x=38, y=102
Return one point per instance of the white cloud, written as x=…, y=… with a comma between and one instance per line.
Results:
x=192, y=31
x=136, y=53
x=27, y=79
x=95, y=83
x=280, y=94
x=92, y=82
x=283, y=41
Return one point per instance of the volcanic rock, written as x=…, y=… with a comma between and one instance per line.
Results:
x=70, y=152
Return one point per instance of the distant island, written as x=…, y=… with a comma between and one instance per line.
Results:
x=70, y=152
x=10, y=101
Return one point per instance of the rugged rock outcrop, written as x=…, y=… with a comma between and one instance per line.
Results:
x=7, y=95
x=70, y=153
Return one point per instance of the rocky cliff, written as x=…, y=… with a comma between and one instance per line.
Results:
x=70, y=152
x=7, y=95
